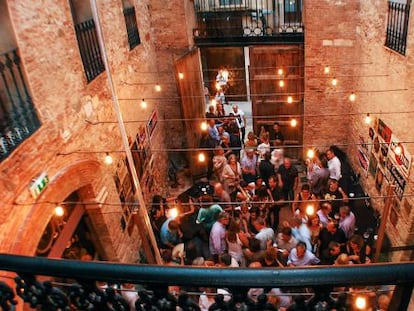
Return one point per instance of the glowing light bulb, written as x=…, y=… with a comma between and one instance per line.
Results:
x=59, y=211
x=367, y=119
x=310, y=210
x=280, y=71
x=326, y=70
x=293, y=122
x=213, y=102
x=108, y=159
x=201, y=157
x=180, y=75
x=158, y=87
x=310, y=154
x=352, y=97
x=172, y=212
x=143, y=104
x=398, y=149
x=281, y=83
x=334, y=81
x=218, y=87
x=361, y=303
x=290, y=99
x=204, y=126
x=225, y=74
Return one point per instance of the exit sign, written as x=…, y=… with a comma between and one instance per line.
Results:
x=38, y=184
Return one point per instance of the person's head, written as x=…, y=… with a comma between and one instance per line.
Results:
x=219, y=150
x=287, y=163
x=251, y=136
x=259, y=223
x=265, y=137
x=300, y=249
x=286, y=234
x=267, y=156
x=344, y=211
x=211, y=122
x=383, y=302
x=323, y=161
x=225, y=259
x=254, y=212
x=235, y=108
x=334, y=248
x=330, y=153
x=255, y=264
x=254, y=245
x=342, y=259
x=333, y=185
x=211, y=108
x=270, y=256
x=305, y=189
x=225, y=139
x=332, y=226
x=173, y=225
x=356, y=242
x=249, y=152
x=314, y=220
x=232, y=158
x=273, y=181
x=276, y=127
x=223, y=218
x=326, y=207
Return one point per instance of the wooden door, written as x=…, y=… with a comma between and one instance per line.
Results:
x=270, y=67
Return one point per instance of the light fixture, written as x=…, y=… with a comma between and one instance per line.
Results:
x=172, y=212
x=334, y=81
x=158, y=87
x=326, y=70
x=280, y=72
x=367, y=119
x=204, y=126
x=213, y=102
x=352, y=97
x=290, y=99
x=108, y=159
x=398, y=149
x=361, y=303
x=201, y=157
x=310, y=154
x=180, y=75
x=143, y=104
x=293, y=122
x=281, y=83
x=225, y=74
x=310, y=210
x=59, y=211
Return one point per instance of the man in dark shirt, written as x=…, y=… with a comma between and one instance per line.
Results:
x=288, y=178
x=276, y=136
x=331, y=233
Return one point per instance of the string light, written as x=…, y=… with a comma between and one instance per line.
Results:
x=352, y=97
x=281, y=83
x=180, y=76
x=310, y=210
x=361, y=303
x=213, y=102
x=310, y=154
x=398, y=149
x=157, y=87
x=293, y=122
x=326, y=70
x=367, y=119
x=201, y=157
x=290, y=99
x=334, y=81
x=143, y=104
x=108, y=159
x=204, y=126
x=280, y=72
x=59, y=211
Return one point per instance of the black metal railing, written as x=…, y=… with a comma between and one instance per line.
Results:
x=18, y=118
x=89, y=49
x=56, y=284
x=247, y=18
x=397, y=26
x=132, y=27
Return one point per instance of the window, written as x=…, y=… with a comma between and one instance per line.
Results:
x=230, y=2
x=132, y=28
x=397, y=25
x=87, y=39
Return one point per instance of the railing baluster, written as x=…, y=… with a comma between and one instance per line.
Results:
x=397, y=26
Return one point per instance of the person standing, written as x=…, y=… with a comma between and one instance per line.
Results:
x=218, y=243
x=240, y=120
x=288, y=178
x=334, y=165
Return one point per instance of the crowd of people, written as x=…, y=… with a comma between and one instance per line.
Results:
x=236, y=222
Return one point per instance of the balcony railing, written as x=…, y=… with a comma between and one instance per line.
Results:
x=132, y=27
x=89, y=49
x=397, y=26
x=248, y=19
x=77, y=287
x=18, y=118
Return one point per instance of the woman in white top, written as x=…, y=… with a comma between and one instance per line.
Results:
x=236, y=240
x=232, y=174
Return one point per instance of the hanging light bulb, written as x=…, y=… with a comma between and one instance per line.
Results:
x=281, y=83
x=326, y=70
x=172, y=212
x=143, y=104
x=310, y=154
x=204, y=126
x=59, y=211
x=213, y=102
x=108, y=159
x=310, y=210
x=334, y=81
x=398, y=149
x=180, y=75
x=201, y=157
x=367, y=119
x=158, y=87
x=280, y=72
x=361, y=303
x=352, y=97
x=290, y=99
x=293, y=122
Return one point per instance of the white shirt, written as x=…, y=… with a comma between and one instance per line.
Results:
x=334, y=166
x=264, y=235
x=239, y=118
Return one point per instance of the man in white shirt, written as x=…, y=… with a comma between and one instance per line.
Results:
x=240, y=120
x=347, y=221
x=334, y=165
x=300, y=256
x=265, y=234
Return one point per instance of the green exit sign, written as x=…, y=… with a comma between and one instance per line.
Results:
x=38, y=184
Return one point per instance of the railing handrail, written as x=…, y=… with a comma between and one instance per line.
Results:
x=372, y=274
